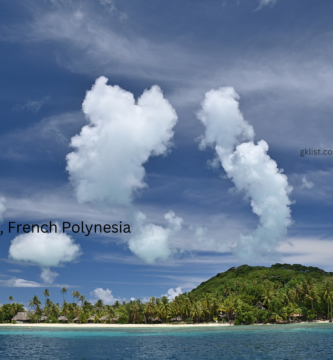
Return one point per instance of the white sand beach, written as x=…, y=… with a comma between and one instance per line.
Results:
x=119, y=326
x=124, y=326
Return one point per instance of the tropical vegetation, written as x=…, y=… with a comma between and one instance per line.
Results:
x=243, y=295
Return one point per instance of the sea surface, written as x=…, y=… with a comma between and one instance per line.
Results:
x=301, y=341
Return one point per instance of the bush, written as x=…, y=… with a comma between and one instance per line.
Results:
x=123, y=319
x=52, y=320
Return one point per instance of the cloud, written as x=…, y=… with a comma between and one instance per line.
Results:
x=151, y=242
x=50, y=136
x=263, y=3
x=49, y=249
x=206, y=242
x=107, y=165
x=48, y=276
x=171, y=294
x=250, y=168
x=90, y=43
x=312, y=251
x=13, y=282
x=2, y=207
x=307, y=184
x=33, y=106
x=104, y=295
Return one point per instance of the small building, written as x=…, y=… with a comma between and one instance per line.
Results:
x=22, y=317
x=105, y=318
x=296, y=315
x=176, y=319
x=42, y=318
x=260, y=306
x=76, y=319
x=91, y=319
x=62, y=318
x=154, y=320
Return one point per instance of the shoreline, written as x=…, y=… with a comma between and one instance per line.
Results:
x=144, y=326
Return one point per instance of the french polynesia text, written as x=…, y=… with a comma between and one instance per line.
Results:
x=75, y=228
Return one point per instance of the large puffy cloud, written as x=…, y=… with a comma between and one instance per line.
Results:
x=172, y=293
x=49, y=249
x=151, y=242
x=104, y=295
x=250, y=168
x=121, y=136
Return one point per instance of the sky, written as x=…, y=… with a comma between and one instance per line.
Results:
x=185, y=120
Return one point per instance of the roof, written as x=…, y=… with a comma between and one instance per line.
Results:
x=21, y=316
x=259, y=305
x=177, y=318
x=92, y=318
x=154, y=318
x=62, y=318
x=42, y=318
x=105, y=317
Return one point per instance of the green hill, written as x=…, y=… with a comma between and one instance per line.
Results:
x=282, y=275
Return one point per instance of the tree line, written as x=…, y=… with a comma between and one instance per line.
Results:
x=244, y=295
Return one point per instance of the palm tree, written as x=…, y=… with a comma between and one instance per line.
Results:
x=163, y=308
x=196, y=311
x=312, y=296
x=63, y=291
x=327, y=288
x=46, y=293
x=82, y=299
x=35, y=303
x=75, y=295
x=11, y=299
x=109, y=313
x=150, y=309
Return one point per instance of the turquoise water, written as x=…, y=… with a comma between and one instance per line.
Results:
x=305, y=341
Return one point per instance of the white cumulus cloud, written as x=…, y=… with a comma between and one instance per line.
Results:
x=44, y=249
x=250, y=168
x=172, y=293
x=107, y=164
x=104, y=295
x=150, y=242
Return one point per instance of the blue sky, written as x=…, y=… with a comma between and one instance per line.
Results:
x=275, y=54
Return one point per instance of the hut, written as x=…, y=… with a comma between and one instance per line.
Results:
x=154, y=320
x=260, y=306
x=176, y=319
x=42, y=318
x=105, y=318
x=62, y=318
x=21, y=317
x=91, y=319
x=76, y=319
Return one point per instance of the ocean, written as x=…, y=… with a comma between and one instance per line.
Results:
x=301, y=341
